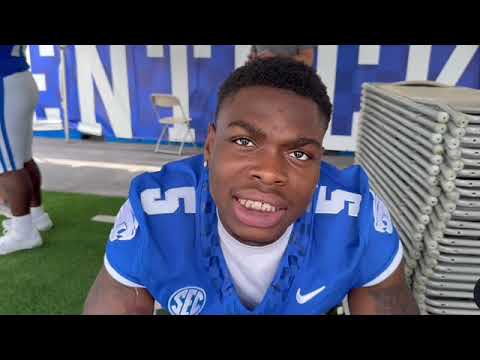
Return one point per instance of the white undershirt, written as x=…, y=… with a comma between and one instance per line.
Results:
x=252, y=267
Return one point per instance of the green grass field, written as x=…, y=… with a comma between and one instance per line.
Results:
x=55, y=278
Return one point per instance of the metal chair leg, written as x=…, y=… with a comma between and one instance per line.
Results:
x=183, y=141
x=157, y=146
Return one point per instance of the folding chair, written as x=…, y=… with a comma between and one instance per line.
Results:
x=170, y=101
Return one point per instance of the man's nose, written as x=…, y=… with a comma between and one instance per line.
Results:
x=270, y=168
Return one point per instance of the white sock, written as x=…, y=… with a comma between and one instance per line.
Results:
x=22, y=224
x=37, y=211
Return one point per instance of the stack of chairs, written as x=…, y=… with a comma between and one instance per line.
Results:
x=419, y=142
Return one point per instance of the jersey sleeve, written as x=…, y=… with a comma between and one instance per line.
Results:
x=122, y=258
x=383, y=250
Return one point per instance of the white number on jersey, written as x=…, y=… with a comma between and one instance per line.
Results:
x=153, y=205
x=337, y=202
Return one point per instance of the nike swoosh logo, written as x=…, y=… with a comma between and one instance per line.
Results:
x=302, y=299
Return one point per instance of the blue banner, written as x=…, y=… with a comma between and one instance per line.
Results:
x=109, y=86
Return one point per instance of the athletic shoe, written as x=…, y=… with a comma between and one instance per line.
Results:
x=12, y=241
x=5, y=211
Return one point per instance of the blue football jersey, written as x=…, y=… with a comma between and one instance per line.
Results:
x=12, y=59
x=165, y=239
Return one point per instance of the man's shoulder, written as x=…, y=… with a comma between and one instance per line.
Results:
x=352, y=178
x=159, y=193
x=163, y=203
x=185, y=172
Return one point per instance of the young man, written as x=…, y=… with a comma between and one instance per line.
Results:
x=302, y=53
x=258, y=225
x=19, y=174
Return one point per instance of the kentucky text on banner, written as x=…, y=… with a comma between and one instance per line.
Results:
x=109, y=86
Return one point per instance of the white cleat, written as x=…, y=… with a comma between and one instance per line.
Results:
x=41, y=223
x=12, y=241
x=5, y=211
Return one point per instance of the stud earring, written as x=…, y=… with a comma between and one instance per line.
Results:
x=205, y=164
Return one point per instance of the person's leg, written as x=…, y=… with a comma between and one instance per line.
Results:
x=41, y=219
x=4, y=208
x=36, y=179
x=18, y=97
x=18, y=189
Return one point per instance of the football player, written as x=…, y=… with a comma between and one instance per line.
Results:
x=258, y=224
x=20, y=179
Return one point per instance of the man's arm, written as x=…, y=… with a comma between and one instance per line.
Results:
x=390, y=297
x=305, y=56
x=108, y=297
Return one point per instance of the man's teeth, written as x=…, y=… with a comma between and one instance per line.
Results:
x=257, y=205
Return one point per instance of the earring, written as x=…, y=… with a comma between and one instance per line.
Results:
x=205, y=164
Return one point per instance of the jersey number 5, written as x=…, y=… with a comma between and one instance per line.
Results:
x=153, y=204
x=337, y=202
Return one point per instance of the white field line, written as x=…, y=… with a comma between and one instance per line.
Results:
x=98, y=164
x=109, y=219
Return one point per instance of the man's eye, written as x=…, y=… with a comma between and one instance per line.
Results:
x=300, y=155
x=243, y=142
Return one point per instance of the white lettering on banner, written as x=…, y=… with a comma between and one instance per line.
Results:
x=53, y=119
x=327, y=56
x=155, y=51
x=418, y=62
x=16, y=50
x=115, y=93
x=457, y=64
x=337, y=202
x=179, y=75
x=241, y=54
x=202, y=51
x=46, y=50
x=369, y=54
x=153, y=205
x=40, y=81
x=115, y=97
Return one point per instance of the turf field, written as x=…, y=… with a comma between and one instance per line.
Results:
x=55, y=278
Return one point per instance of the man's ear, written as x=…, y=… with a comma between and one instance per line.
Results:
x=210, y=142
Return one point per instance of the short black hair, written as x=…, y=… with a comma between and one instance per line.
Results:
x=281, y=73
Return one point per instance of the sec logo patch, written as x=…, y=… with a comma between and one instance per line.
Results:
x=187, y=301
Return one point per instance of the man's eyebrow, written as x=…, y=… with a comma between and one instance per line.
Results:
x=306, y=141
x=259, y=133
x=248, y=127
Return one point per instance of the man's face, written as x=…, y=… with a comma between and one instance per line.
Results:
x=264, y=161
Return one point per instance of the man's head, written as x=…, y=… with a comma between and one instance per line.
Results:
x=265, y=147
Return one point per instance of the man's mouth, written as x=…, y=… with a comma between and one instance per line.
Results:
x=257, y=205
x=258, y=213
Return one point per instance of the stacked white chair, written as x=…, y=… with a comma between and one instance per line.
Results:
x=419, y=142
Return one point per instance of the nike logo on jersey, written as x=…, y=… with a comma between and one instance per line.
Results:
x=302, y=299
